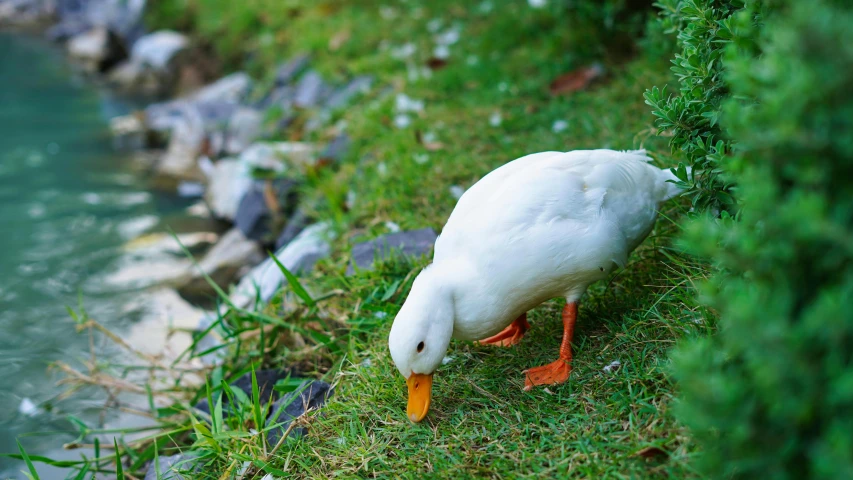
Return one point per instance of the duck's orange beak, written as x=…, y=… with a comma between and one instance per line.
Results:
x=420, y=393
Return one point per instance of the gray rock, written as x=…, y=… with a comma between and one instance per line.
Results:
x=295, y=224
x=412, y=243
x=244, y=127
x=227, y=185
x=159, y=49
x=153, y=65
x=66, y=29
x=336, y=149
x=308, y=90
x=23, y=13
x=310, y=396
x=232, y=88
x=288, y=71
x=173, y=467
x=281, y=97
x=266, y=381
x=298, y=256
x=128, y=133
x=97, y=49
x=253, y=214
x=185, y=144
x=275, y=156
x=343, y=96
x=223, y=263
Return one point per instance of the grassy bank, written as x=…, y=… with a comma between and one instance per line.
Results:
x=490, y=103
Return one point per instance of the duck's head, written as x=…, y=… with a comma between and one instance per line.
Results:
x=419, y=339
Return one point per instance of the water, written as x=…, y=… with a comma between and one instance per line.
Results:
x=68, y=202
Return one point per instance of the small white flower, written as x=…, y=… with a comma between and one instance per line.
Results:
x=472, y=60
x=613, y=366
x=503, y=86
x=434, y=25
x=387, y=13
x=537, y=3
x=382, y=169
x=392, y=227
x=380, y=315
x=404, y=51
x=421, y=158
x=456, y=191
x=405, y=103
x=559, y=126
x=402, y=121
x=441, y=52
x=366, y=363
x=350, y=201
x=449, y=37
x=486, y=6
x=429, y=137
x=447, y=359
x=495, y=119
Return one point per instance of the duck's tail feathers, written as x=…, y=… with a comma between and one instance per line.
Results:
x=671, y=186
x=640, y=153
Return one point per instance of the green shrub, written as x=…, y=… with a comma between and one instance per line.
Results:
x=704, y=28
x=771, y=395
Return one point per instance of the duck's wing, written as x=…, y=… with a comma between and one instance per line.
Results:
x=574, y=191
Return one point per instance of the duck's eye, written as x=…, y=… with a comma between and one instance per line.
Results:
x=420, y=347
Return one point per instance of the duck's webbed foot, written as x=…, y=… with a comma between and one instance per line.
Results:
x=511, y=334
x=558, y=371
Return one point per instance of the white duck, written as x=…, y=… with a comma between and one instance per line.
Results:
x=543, y=226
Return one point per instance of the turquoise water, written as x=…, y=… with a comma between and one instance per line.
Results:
x=68, y=202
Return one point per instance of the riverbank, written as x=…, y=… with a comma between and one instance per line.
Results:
x=368, y=124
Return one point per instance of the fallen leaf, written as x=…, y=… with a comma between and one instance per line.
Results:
x=652, y=452
x=429, y=146
x=435, y=63
x=575, y=80
x=339, y=39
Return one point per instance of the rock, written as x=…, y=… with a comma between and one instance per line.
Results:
x=130, y=76
x=308, y=90
x=173, y=468
x=128, y=132
x=255, y=213
x=227, y=185
x=266, y=381
x=66, y=29
x=309, y=396
x=412, y=243
x=223, y=263
x=153, y=65
x=97, y=49
x=342, y=97
x=232, y=88
x=295, y=224
x=185, y=144
x=244, y=127
x=190, y=189
x=159, y=49
x=273, y=155
x=25, y=13
x=298, y=256
x=288, y=71
x=336, y=149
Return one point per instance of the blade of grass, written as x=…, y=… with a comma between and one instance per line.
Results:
x=33, y=473
x=297, y=287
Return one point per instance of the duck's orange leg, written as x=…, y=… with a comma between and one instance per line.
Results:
x=556, y=372
x=511, y=334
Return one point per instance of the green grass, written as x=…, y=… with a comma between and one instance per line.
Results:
x=481, y=423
